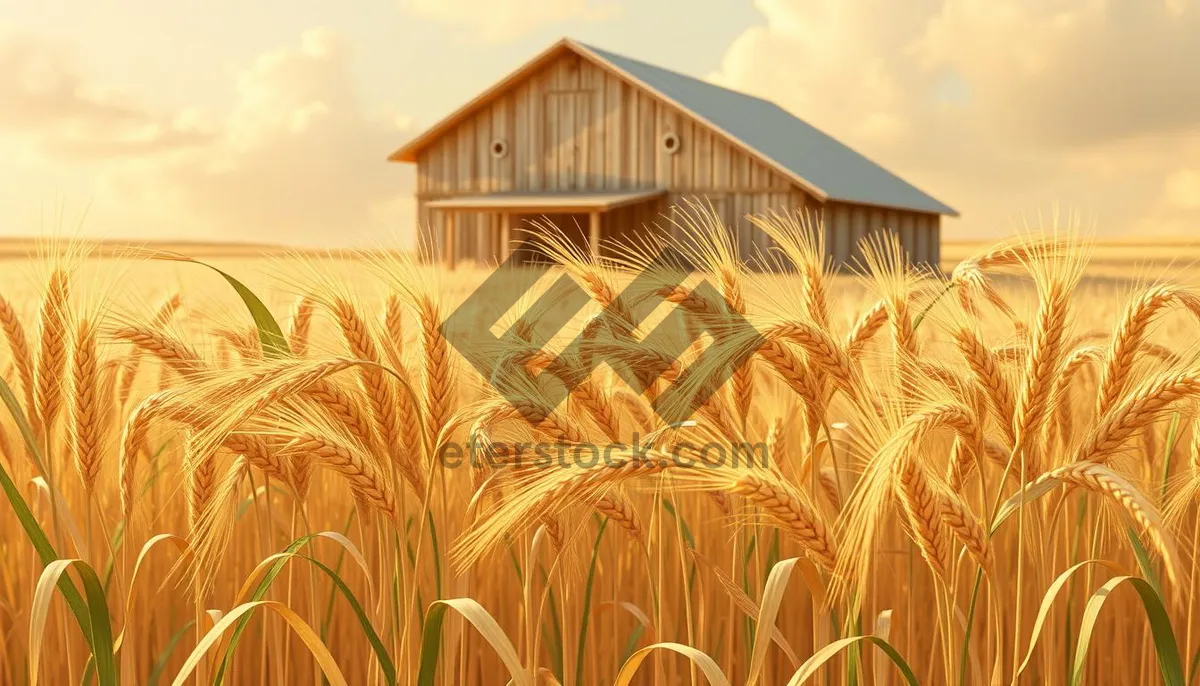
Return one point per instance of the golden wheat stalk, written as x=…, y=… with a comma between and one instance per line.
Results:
x=797, y=519
x=1140, y=408
x=396, y=416
x=18, y=347
x=821, y=349
x=361, y=473
x=966, y=528
x=301, y=326
x=87, y=410
x=865, y=329
x=1128, y=337
x=990, y=376
x=438, y=380
x=1100, y=479
x=52, y=353
x=201, y=476
x=924, y=512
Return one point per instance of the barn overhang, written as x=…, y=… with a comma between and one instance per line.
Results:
x=509, y=203
x=523, y=202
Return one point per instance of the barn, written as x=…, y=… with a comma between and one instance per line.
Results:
x=607, y=145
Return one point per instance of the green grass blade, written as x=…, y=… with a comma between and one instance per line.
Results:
x=101, y=624
x=1145, y=565
x=819, y=658
x=1047, y=604
x=587, y=603
x=437, y=556
x=100, y=636
x=260, y=593
x=554, y=642
x=33, y=530
x=1165, y=646
x=270, y=335
x=385, y=662
x=160, y=662
x=484, y=623
x=337, y=567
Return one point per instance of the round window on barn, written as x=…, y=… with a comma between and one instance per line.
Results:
x=499, y=148
x=671, y=142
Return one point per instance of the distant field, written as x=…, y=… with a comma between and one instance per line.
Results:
x=1124, y=258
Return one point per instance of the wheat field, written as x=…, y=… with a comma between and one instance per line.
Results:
x=984, y=474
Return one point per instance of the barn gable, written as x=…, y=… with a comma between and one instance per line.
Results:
x=588, y=139
x=824, y=167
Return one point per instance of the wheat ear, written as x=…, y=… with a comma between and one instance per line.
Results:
x=201, y=483
x=1130, y=333
x=967, y=529
x=1100, y=479
x=393, y=327
x=986, y=369
x=618, y=509
x=14, y=334
x=865, y=328
x=438, y=381
x=924, y=512
x=87, y=411
x=396, y=417
x=1044, y=358
x=52, y=353
x=1140, y=408
x=797, y=519
x=361, y=473
x=301, y=326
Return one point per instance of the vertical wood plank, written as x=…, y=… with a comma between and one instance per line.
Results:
x=841, y=234
x=721, y=164
x=647, y=124
x=908, y=235
x=920, y=239
x=505, y=247
x=702, y=158
x=614, y=142
x=594, y=233
x=892, y=223
x=448, y=239
x=483, y=156
x=683, y=159
x=858, y=223
x=936, y=240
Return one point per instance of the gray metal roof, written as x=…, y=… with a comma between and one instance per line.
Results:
x=831, y=166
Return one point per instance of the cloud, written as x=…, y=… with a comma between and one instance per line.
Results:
x=1183, y=189
x=500, y=21
x=995, y=106
x=50, y=102
x=297, y=158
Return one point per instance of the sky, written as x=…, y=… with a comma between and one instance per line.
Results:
x=269, y=121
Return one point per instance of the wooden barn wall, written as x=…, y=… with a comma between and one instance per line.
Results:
x=572, y=126
x=847, y=225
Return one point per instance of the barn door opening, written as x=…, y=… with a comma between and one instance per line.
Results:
x=573, y=225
